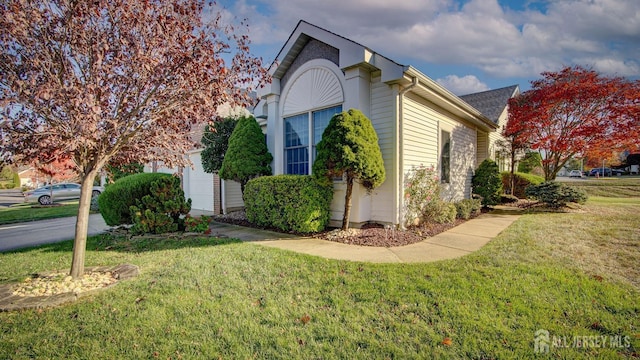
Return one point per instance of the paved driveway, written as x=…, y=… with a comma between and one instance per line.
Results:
x=19, y=235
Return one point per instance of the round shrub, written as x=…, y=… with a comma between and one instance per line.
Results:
x=521, y=182
x=422, y=188
x=162, y=210
x=467, y=208
x=288, y=202
x=556, y=195
x=487, y=182
x=117, y=198
x=440, y=212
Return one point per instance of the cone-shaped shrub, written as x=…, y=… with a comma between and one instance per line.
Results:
x=487, y=182
x=349, y=147
x=247, y=156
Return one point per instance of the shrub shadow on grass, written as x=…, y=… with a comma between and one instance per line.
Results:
x=107, y=242
x=144, y=244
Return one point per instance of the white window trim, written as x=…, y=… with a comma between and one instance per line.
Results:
x=311, y=134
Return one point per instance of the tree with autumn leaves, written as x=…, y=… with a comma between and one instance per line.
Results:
x=573, y=112
x=114, y=82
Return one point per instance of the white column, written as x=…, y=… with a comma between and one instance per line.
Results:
x=275, y=133
x=357, y=92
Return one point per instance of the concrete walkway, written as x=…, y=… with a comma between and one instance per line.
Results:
x=458, y=241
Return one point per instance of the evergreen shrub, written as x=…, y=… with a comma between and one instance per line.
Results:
x=556, y=195
x=521, y=182
x=295, y=203
x=162, y=210
x=115, y=202
x=487, y=183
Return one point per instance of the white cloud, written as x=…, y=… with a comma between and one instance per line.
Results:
x=498, y=40
x=467, y=84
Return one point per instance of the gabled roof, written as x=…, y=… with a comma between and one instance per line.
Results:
x=353, y=54
x=492, y=103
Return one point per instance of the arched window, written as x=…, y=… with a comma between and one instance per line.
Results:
x=312, y=96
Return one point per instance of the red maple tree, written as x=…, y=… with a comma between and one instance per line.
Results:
x=571, y=112
x=114, y=81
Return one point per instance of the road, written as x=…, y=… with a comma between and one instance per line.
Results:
x=19, y=235
x=10, y=197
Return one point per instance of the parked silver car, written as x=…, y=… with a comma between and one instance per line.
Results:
x=575, y=173
x=62, y=191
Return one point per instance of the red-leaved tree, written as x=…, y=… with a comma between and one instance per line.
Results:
x=55, y=167
x=570, y=112
x=114, y=81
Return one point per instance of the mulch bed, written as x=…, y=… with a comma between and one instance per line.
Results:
x=368, y=235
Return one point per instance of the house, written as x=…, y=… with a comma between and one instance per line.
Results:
x=318, y=73
x=493, y=104
x=209, y=194
x=28, y=177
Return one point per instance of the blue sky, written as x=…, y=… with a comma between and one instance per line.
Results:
x=466, y=45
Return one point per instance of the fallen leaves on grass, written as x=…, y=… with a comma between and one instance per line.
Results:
x=305, y=319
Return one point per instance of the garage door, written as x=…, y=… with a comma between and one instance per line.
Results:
x=199, y=185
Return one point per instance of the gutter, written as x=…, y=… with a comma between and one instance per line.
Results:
x=400, y=152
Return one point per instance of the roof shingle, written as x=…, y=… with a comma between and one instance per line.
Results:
x=491, y=103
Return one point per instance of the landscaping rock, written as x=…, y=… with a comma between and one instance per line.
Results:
x=56, y=288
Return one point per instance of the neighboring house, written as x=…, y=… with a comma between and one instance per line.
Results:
x=28, y=177
x=318, y=73
x=493, y=104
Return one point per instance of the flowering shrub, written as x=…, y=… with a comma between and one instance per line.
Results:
x=196, y=224
x=421, y=191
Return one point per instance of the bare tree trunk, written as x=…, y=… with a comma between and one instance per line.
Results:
x=347, y=203
x=82, y=224
x=513, y=170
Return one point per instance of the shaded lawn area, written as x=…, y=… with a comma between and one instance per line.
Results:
x=25, y=212
x=572, y=274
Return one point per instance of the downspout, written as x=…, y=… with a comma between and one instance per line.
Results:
x=400, y=152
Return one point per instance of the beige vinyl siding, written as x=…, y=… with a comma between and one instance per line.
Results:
x=232, y=196
x=422, y=128
x=463, y=161
x=494, y=137
x=482, y=152
x=420, y=133
x=383, y=118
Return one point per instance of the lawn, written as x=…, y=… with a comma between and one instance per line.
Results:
x=573, y=274
x=31, y=212
x=626, y=186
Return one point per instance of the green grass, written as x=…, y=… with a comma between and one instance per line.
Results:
x=573, y=274
x=609, y=187
x=31, y=212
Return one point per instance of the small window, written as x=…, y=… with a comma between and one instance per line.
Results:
x=445, y=158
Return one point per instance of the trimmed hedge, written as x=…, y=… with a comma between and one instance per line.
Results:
x=556, y=195
x=295, y=203
x=521, y=182
x=117, y=198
